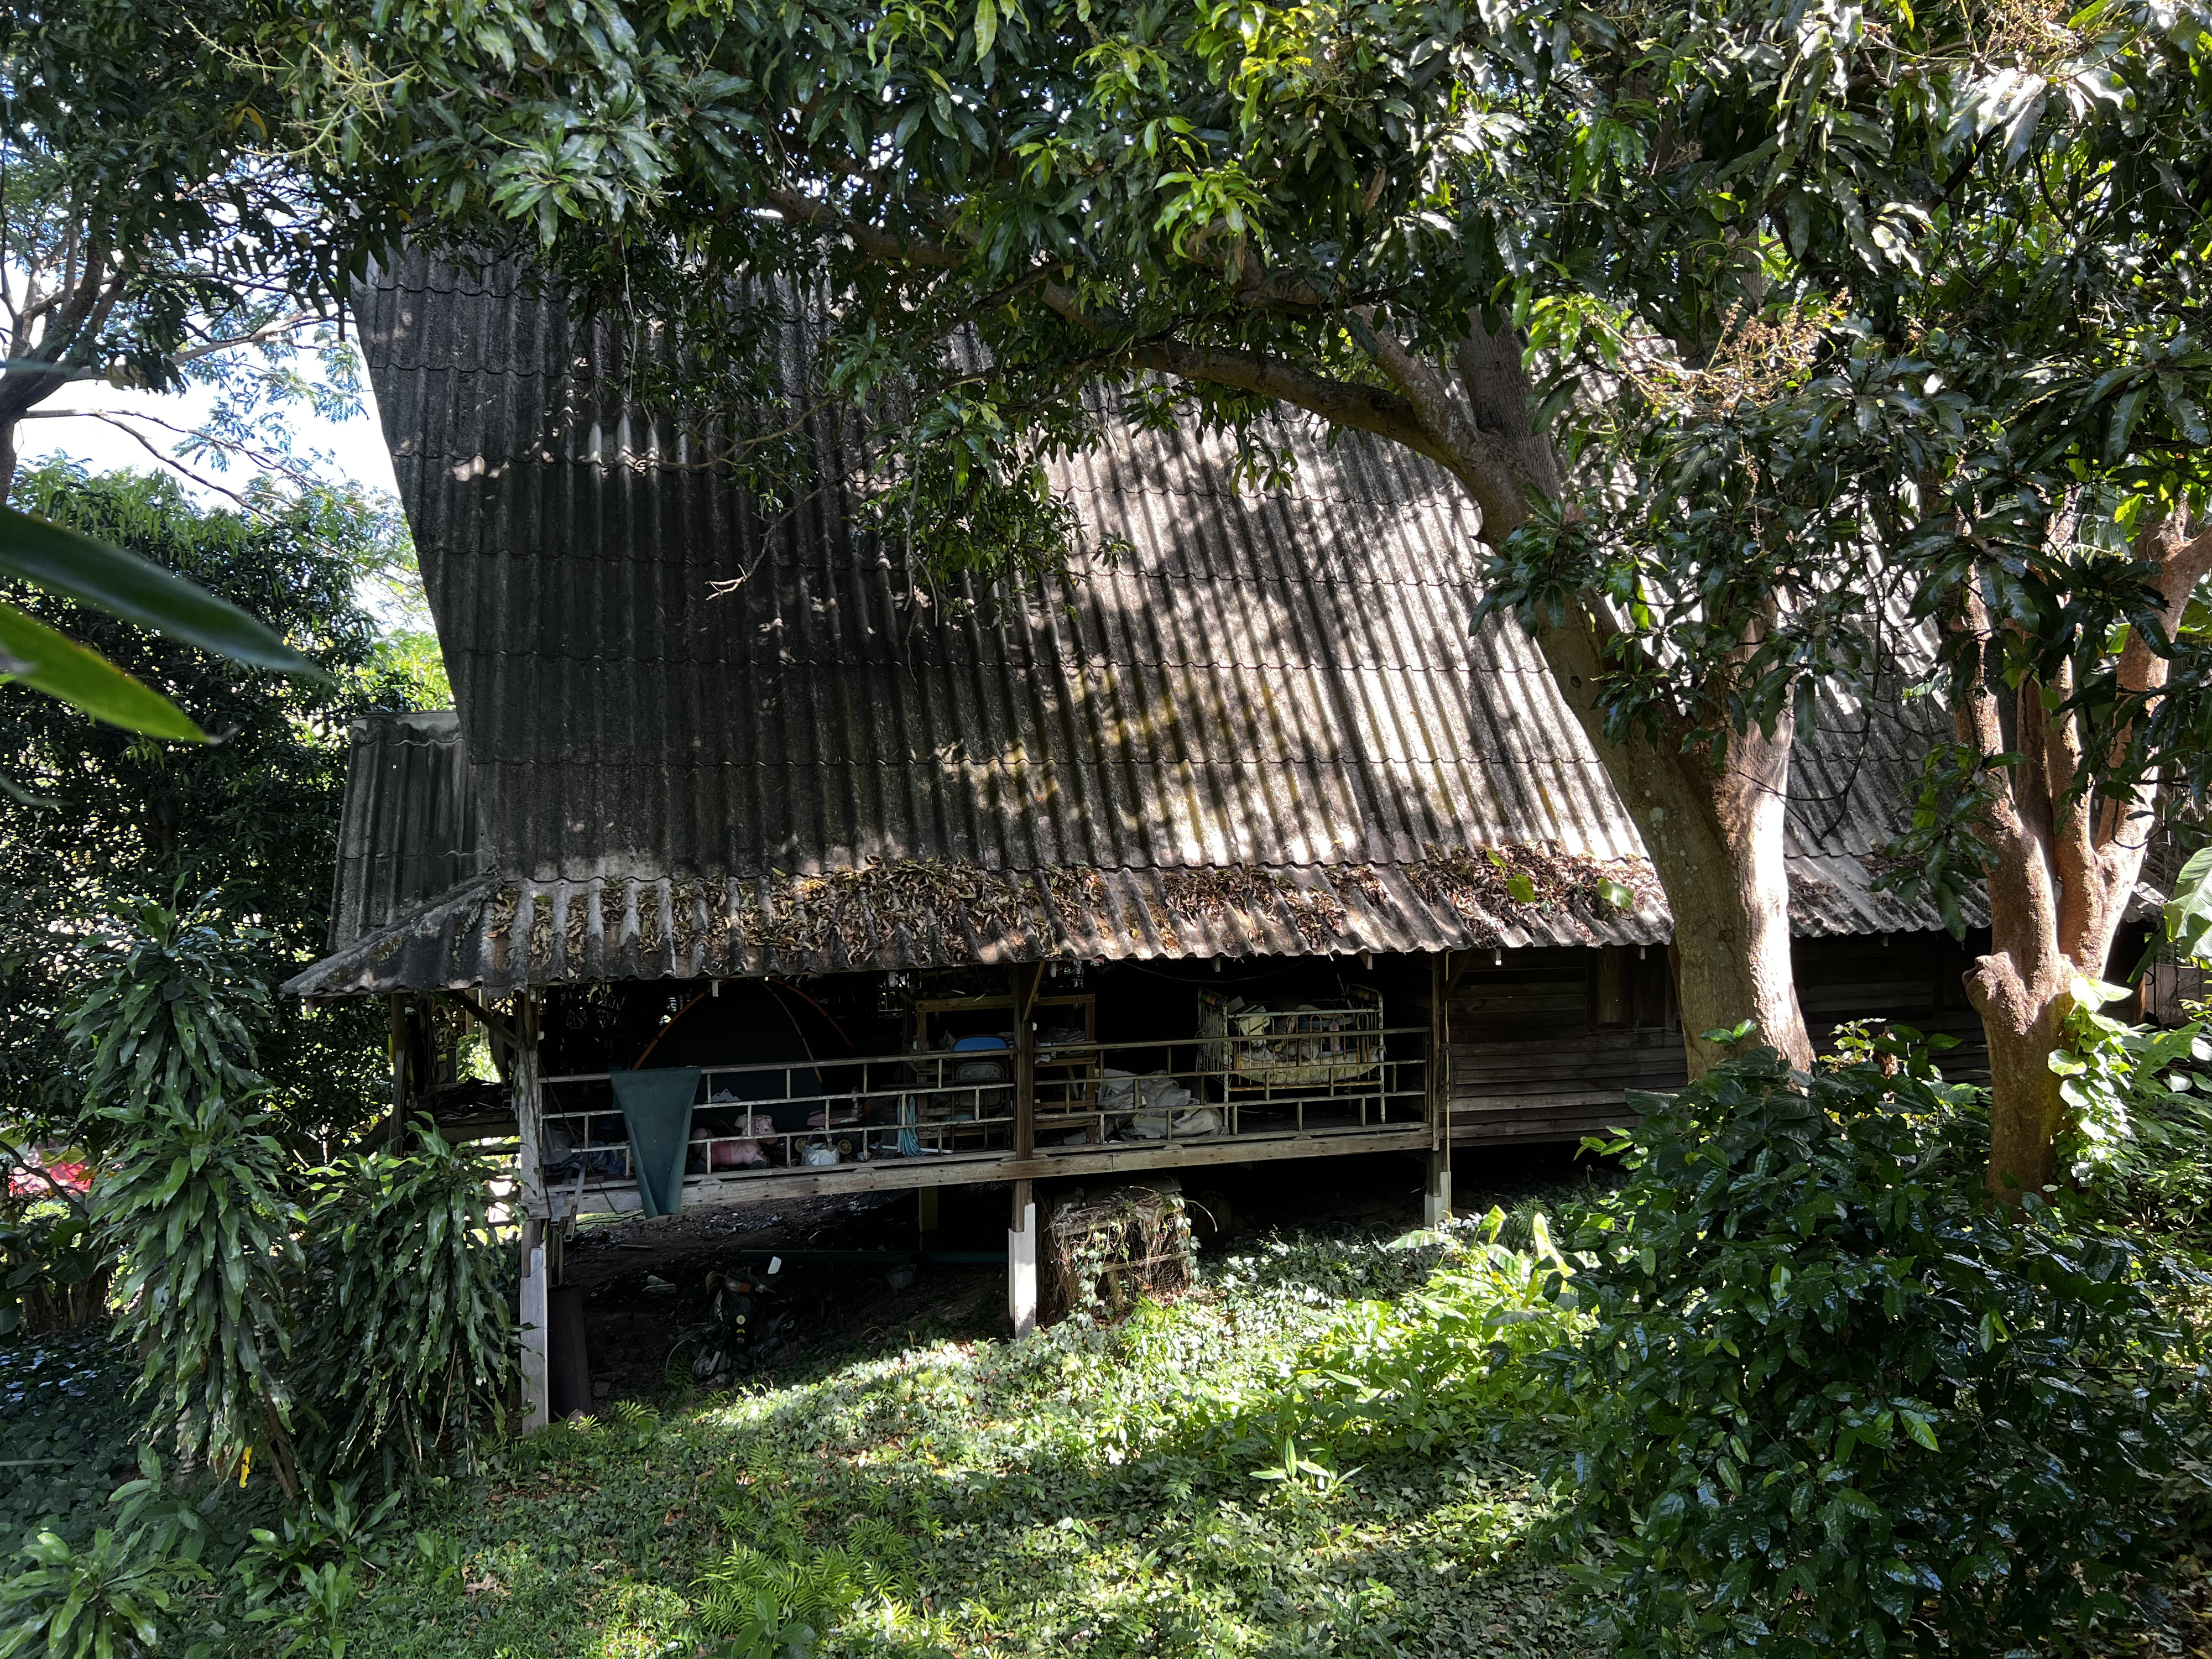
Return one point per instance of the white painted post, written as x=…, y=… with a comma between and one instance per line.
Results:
x=529, y=1199
x=537, y=1385
x=1022, y=1268
x=1436, y=1191
x=1435, y=1201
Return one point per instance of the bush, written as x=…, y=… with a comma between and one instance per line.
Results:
x=115, y=1596
x=53, y=1273
x=1442, y=1365
x=197, y=1206
x=192, y=1196
x=109, y=1600
x=404, y=1336
x=1832, y=1398
x=388, y=1332
x=2141, y=1140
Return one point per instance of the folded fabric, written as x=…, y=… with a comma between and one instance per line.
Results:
x=656, y=1107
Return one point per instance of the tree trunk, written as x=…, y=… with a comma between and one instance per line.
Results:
x=1714, y=832
x=2025, y=1026
x=1716, y=838
x=2062, y=852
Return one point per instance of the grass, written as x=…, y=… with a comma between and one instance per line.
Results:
x=1099, y=1491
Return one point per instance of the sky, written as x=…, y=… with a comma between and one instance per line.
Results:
x=355, y=446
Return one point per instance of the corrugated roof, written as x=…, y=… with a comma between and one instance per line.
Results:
x=1275, y=697
x=409, y=830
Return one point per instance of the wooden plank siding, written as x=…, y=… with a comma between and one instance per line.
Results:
x=1543, y=1045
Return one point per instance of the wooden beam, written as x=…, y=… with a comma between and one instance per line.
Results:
x=403, y=1054
x=892, y=1175
x=491, y=1022
x=1028, y=977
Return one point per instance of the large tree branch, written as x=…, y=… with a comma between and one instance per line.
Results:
x=2179, y=562
x=877, y=245
x=1978, y=724
x=1497, y=476
x=270, y=330
x=1343, y=403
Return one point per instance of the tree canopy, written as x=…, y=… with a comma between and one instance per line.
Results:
x=1780, y=342
x=152, y=236
x=244, y=828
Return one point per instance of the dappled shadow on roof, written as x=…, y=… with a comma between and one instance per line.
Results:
x=701, y=733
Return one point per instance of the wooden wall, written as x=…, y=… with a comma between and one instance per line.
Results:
x=1541, y=1045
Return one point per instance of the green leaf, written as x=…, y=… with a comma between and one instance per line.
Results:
x=986, y=28
x=124, y=585
x=1521, y=888
x=50, y=662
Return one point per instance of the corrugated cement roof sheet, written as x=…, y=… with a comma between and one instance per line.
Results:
x=703, y=739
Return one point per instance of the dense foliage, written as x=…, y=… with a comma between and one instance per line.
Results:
x=154, y=239
x=250, y=822
x=404, y=1327
x=193, y=1197
x=325, y=1319
x=67, y=1430
x=1832, y=1399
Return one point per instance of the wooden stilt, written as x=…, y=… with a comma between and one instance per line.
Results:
x=925, y=1209
x=401, y=1041
x=1435, y=1199
x=1436, y=1193
x=529, y=1208
x=537, y=1389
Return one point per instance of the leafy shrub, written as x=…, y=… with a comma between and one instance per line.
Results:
x=1832, y=1398
x=1443, y=1363
x=66, y=1427
x=2141, y=1140
x=164, y=1023
x=391, y=1323
x=768, y=1608
x=198, y=1202
x=405, y=1335
x=109, y=1599
x=53, y=1269
x=304, y=1575
x=194, y=1196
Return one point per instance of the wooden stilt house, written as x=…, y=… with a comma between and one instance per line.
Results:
x=1236, y=845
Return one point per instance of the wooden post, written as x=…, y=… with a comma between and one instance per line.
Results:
x=925, y=1210
x=530, y=1203
x=1435, y=1195
x=401, y=1058
x=1028, y=978
x=1022, y=1263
